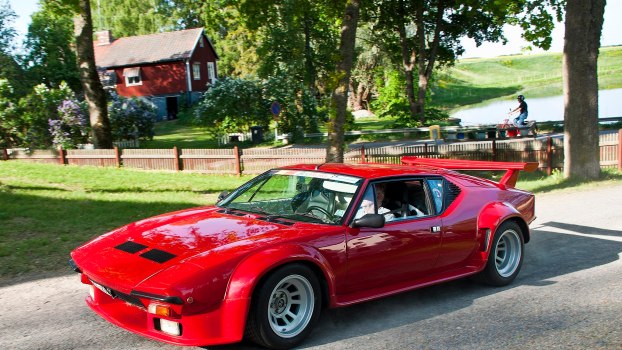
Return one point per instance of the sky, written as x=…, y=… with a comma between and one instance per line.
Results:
x=612, y=32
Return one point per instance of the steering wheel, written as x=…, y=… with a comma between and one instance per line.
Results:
x=321, y=210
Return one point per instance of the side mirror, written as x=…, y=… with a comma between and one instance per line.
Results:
x=222, y=195
x=369, y=220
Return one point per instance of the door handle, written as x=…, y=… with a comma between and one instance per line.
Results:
x=435, y=229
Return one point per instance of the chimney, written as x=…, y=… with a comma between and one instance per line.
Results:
x=104, y=37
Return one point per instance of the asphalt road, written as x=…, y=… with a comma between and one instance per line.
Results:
x=567, y=296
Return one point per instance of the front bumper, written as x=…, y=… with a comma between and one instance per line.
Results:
x=223, y=325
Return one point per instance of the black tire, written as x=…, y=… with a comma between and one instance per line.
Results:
x=289, y=294
x=506, y=255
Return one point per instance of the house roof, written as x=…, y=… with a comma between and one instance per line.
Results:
x=152, y=48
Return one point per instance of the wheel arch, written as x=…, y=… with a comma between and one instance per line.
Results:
x=254, y=269
x=492, y=216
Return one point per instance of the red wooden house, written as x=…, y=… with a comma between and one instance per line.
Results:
x=166, y=68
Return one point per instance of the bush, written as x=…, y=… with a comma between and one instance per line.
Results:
x=71, y=128
x=131, y=118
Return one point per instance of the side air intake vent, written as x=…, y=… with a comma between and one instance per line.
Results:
x=452, y=192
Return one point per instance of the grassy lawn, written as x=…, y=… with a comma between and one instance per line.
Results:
x=47, y=210
x=182, y=134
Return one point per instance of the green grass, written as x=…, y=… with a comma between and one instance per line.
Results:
x=539, y=182
x=182, y=134
x=47, y=210
x=473, y=81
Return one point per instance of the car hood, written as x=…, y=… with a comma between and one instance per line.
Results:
x=131, y=254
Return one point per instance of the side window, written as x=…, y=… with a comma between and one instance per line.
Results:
x=396, y=200
x=368, y=204
x=436, y=189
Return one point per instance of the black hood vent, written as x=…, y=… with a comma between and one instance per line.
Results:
x=158, y=255
x=131, y=247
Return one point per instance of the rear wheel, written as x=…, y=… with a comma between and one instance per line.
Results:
x=506, y=255
x=285, y=307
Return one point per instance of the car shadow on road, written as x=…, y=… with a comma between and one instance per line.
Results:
x=549, y=255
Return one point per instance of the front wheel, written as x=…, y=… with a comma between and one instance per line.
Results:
x=285, y=307
x=506, y=255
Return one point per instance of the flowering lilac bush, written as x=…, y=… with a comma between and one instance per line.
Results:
x=131, y=118
x=71, y=128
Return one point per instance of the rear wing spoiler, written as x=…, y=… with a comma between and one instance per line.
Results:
x=508, y=180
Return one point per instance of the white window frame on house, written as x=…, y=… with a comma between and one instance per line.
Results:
x=201, y=44
x=132, y=76
x=196, y=70
x=211, y=72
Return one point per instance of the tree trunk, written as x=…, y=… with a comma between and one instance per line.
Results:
x=93, y=90
x=425, y=66
x=408, y=63
x=334, y=151
x=584, y=20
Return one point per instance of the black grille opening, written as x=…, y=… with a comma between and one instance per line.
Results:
x=452, y=191
x=158, y=255
x=128, y=299
x=131, y=247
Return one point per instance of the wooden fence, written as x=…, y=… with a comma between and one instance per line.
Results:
x=547, y=151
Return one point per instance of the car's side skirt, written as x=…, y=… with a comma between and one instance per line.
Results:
x=354, y=298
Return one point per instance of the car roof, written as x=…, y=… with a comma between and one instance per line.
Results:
x=369, y=171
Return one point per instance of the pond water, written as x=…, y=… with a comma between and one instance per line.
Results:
x=540, y=109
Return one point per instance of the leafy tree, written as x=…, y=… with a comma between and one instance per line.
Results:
x=297, y=38
x=584, y=20
x=7, y=32
x=335, y=149
x=132, y=17
x=9, y=67
x=233, y=105
x=224, y=25
x=93, y=89
x=427, y=33
x=50, y=58
x=299, y=108
x=370, y=64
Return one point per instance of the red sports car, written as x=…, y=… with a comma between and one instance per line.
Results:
x=266, y=259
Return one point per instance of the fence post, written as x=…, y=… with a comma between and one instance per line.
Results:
x=117, y=156
x=363, y=157
x=61, y=152
x=549, y=156
x=494, y=150
x=238, y=168
x=176, y=154
x=425, y=150
x=5, y=154
x=620, y=150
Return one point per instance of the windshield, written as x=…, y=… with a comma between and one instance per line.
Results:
x=297, y=195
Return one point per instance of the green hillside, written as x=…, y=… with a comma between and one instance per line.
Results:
x=475, y=80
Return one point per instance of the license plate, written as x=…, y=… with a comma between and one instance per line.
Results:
x=103, y=289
